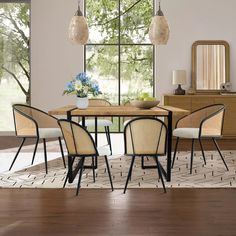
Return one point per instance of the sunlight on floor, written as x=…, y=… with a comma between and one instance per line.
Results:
x=25, y=157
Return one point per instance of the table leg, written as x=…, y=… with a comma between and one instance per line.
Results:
x=70, y=163
x=70, y=170
x=96, y=131
x=68, y=114
x=83, y=121
x=169, y=142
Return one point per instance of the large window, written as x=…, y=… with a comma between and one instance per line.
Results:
x=119, y=54
x=14, y=58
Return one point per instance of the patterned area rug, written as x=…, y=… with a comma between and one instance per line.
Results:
x=212, y=175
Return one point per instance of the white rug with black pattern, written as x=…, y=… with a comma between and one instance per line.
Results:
x=211, y=175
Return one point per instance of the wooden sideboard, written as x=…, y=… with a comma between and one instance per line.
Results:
x=194, y=102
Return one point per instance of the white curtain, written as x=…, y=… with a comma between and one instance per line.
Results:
x=210, y=66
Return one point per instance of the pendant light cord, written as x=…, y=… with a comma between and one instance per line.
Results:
x=159, y=12
x=79, y=12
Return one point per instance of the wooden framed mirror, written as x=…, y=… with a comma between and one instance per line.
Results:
x=210, y=65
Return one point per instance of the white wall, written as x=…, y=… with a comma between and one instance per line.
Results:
x=55, y=60
x=192, y=20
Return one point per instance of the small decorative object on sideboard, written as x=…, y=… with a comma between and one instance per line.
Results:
x=191, y=91
x=145, y=101
x=82, y=85
x=226, y=87
x=179, y=78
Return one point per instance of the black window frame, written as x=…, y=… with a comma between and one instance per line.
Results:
x=119, y=45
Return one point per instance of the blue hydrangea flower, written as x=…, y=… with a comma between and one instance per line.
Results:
x=88, y=86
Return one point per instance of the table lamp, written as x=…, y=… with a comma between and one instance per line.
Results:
x=179, y=77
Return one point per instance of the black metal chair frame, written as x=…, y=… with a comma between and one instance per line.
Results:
x=200, y=138
x=154, y=156
x=36, y=137
x=80, y=167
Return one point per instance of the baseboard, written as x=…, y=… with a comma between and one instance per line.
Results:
x=7, y=133
x=224, y=144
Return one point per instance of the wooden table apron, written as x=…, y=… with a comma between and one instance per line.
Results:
x=120, y=111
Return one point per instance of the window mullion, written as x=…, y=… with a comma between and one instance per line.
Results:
x=123, y=46
x=119, y=58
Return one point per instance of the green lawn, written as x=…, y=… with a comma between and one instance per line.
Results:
x=10, y=93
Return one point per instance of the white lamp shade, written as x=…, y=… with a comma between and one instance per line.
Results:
x=159, y=30
x=179, y=77
x=78, y=30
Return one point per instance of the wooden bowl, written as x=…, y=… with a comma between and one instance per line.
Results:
x=144, y=104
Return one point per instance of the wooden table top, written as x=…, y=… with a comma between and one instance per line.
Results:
x=118, y=111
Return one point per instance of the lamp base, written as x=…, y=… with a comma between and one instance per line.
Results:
x=179, y=91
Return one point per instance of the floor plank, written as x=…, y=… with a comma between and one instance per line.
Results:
x=101, y=212
x=184, y=145
x=12, y=141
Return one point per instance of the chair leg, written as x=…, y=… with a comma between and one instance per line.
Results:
x=191, y=161
x=132, y=169
x=107, y=130
x=203, y=154
x=218, y=149
x=176, y=146
x=142, y=162
x=22, y=143
x=45, y=155
x=93, y=164
x=67, y=176
x=160, y=174
x=105, y=127
x=109, y=135
x=129, y=174
x=62, y=153
x=109, y=173
x=80, y=176
x=35, y=149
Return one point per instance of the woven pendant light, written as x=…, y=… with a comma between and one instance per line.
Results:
x=159, y=30
x=78, y=28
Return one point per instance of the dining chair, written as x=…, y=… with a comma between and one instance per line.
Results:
x=145, y=136
x=80, y=143
x=204, y=123
x=105, y=122
x=30, y=122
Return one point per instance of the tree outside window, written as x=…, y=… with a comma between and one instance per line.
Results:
x=14, y=59
x=119, y=54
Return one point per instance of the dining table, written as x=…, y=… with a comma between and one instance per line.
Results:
x=167, y=112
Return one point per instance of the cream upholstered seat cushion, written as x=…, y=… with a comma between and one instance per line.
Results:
x=100, y=122
x=49, y=132
x=191, y=133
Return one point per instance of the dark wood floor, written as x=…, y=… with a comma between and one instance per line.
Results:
x=12, y=141
x=48, y=212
